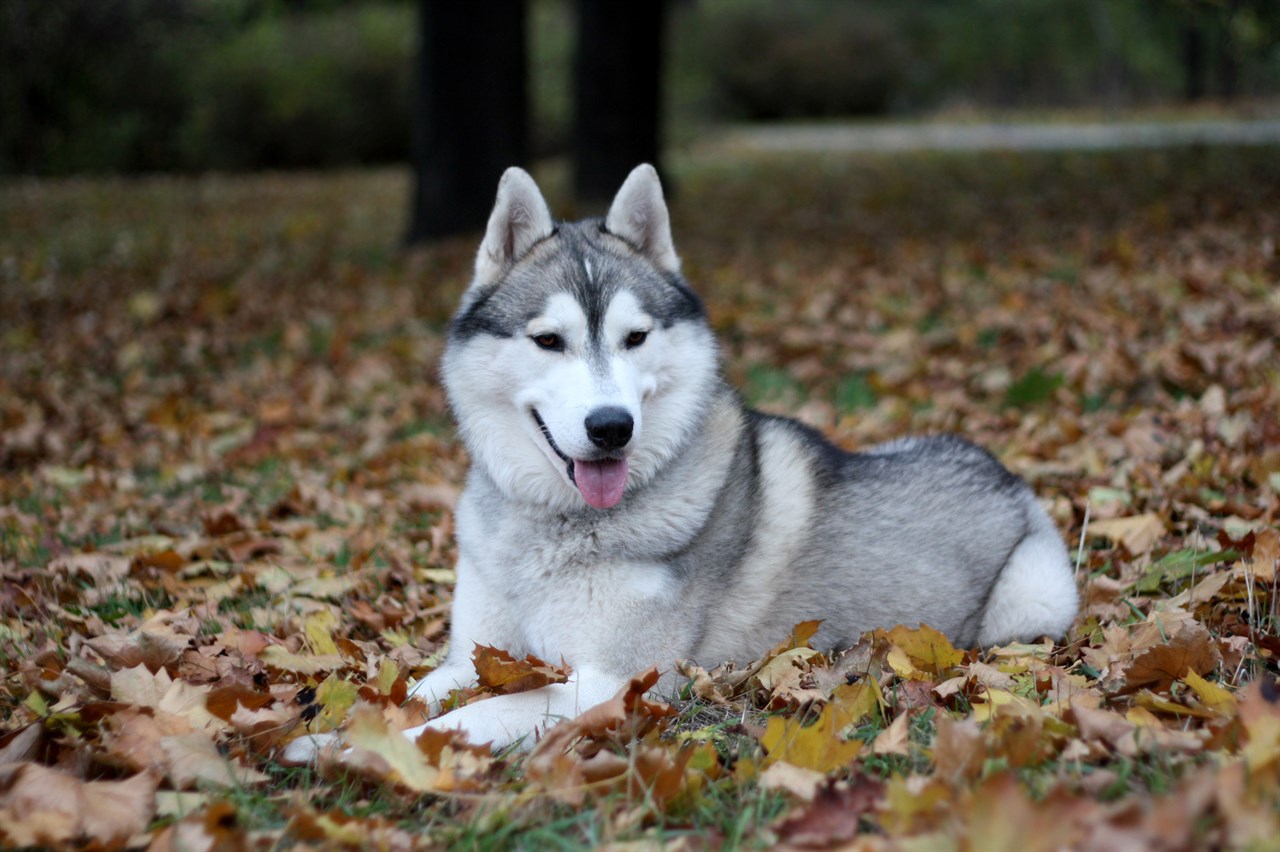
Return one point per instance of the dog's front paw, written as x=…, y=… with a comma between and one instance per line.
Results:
x=479, y=726
x=308, y=748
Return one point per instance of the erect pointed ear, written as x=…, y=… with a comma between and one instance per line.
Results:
x=639, y=215
x=519, y=219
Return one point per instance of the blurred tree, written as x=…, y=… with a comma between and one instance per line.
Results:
x=617, y=93
x=85, y=84
x=470, y=114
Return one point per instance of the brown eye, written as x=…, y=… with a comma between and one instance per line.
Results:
x=635, y=338
x=549, y=341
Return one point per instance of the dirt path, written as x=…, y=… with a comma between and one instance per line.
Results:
x=835, y=138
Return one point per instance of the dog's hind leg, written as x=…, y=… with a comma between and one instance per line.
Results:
x=1035, y=594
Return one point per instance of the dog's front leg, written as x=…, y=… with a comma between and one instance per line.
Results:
x=479, y=617
x=509, y=719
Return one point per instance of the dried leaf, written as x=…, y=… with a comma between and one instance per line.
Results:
x=278, y=657
x=958, y=748
x=193, y=760
x=1137, y=534
x=833, y=816
x=820, y=747
x=929, y=650
x=383, y=753
x=503, y=674
x=1189, y=650
x=893, y=739
x=41, y=806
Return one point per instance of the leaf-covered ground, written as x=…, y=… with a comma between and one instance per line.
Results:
x=227, y=473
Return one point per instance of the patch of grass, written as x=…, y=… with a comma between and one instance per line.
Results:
x=767, y=384
x=240, y=608
x=120, y=605
x=855, y=393
x=1032, y=388
x=437, y=426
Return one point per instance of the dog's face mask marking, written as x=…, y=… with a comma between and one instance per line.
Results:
x=587, y=387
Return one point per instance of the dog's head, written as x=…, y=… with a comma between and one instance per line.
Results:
x=579, y=361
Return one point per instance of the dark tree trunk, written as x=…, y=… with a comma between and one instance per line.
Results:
x=1195, y=62
x=617, y=93
x=470, y=116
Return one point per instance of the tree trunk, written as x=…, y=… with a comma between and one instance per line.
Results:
x=470, y=114
x=617, y=93
x=1194, y=62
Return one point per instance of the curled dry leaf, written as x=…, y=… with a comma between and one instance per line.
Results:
x=501, y=673
x=382, y=753
x=194, y=760
x=46, y=807
x=958, y=748
x=581, y=751
x=1137, y=534
x=833, y=816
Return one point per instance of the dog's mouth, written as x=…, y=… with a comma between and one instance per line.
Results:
x=599, y=481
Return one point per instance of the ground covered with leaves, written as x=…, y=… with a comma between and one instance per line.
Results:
x=228, y=473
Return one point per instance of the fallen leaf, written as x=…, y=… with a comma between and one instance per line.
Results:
x=798, y=782
x=1137, y=534
x=893, y=739
x=959, y=750
x=193, y=759
x=503, y=674
x=1210, y=694
x=833, y=816
x=929, y=650
x=1189, y=650
x=42, y=806
x=280, y=658
x=820, y=747
x=384, y=753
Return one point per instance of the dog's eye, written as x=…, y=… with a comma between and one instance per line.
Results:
x=635, y=338
x=549, y=341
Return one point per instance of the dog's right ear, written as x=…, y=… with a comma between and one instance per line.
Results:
x=519, y=219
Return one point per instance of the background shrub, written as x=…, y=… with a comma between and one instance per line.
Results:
x=304, y=90
x=162, y=85
x=774, y=59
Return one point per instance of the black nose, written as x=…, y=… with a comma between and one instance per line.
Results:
x=609, y=428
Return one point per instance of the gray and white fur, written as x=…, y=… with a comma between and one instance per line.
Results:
x=624, y=509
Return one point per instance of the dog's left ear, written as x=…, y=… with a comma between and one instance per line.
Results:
x=639, y=215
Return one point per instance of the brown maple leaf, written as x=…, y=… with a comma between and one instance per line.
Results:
x=503, y=674
x=833, y=816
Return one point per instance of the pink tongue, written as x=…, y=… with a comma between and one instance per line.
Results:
x=601, y=482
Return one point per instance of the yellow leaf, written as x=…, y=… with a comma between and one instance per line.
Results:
x=856, y=701
x=1142, y=718
x=819, y=747
x=902, y=665
x=319, y=630
x=388, y=674
x=336, y=697
x=1210, y=694
x=408, y=765
x=929, y=650
x=997, y=698
x=1260, y=715
x=783, y=668
x=193, y=760
x=1148, y=699
x=277, y=657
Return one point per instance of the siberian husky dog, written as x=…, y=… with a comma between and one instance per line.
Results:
x=624, y=509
